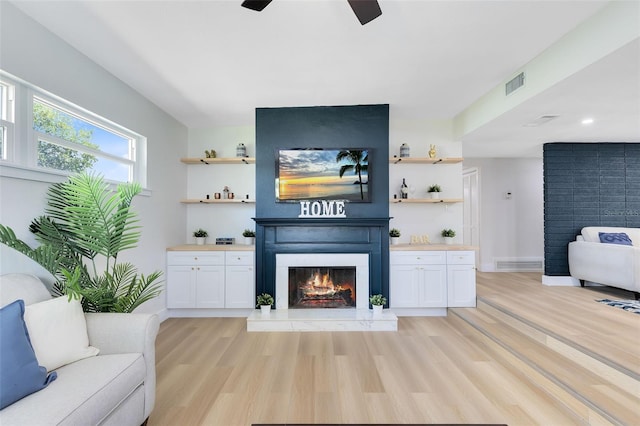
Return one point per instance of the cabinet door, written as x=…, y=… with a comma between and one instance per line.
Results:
x=239, y=291
x=461, y=285
x=433, y=286
x=404, y=286
x=181, y=281
x=210, y=286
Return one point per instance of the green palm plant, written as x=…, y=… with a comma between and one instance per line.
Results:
x=359, y=159
x=85, y=227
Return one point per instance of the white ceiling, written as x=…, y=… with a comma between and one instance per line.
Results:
x=211, y=63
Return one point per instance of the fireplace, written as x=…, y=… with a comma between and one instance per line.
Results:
x=322, y=287
x=322, y=280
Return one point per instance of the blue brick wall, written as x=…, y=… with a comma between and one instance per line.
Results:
x=587, y=184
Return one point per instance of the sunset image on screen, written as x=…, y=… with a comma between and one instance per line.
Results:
x=337, y=174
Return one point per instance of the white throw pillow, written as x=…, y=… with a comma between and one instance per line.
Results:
x=58, y=332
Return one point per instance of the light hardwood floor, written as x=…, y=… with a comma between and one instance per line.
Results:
x=210, y=371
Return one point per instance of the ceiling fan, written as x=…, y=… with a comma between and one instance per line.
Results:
x=365, y=10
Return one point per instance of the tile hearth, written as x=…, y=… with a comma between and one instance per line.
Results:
x=322, y=320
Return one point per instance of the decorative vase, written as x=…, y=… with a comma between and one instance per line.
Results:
x=201, y=240
x=377, y=310
x=394, y=240
x=435, y=195
x=249, y=240
x=404, y=150
x=265, y=309
x=448, y=240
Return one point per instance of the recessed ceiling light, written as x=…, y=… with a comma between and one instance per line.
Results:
x=587, y=121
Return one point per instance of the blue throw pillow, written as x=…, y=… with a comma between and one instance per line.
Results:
x=615, y=238
x=20, y=374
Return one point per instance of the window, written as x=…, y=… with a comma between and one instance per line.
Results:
x=53, y=137
x=7, y=94
x=71, y=143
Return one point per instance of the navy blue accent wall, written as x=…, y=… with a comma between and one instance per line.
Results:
x=366, y=228
x=361, y=126
x=587, y=184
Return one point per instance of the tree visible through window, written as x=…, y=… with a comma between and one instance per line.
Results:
x=71, y=143
x=56, y=123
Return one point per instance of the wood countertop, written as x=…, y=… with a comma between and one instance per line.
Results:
x=431, y=247
x=213, y=247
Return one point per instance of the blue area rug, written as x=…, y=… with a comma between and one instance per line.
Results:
x=627, y=305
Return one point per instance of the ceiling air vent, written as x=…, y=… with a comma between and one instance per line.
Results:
x=514, y=84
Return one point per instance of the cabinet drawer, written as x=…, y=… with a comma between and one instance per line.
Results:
x=461, y=258
x=418, y=258
x=195, y=257
x=239, y=258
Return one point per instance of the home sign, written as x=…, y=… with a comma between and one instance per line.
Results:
x=324, y=208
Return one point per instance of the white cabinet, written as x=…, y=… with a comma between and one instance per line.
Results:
x=214, y=279
x=239, y=280
x=461, y=279
x=432, y=279
x=418, y=280
x=195, y=280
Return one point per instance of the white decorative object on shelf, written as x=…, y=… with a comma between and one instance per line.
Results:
x=405, y=151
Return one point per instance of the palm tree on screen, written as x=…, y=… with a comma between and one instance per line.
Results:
x=359, y=160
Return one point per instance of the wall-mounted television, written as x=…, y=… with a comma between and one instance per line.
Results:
x=323, y=174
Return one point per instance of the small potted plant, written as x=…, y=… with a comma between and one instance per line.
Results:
x=265, y=300
x=249, y=236
x=448, y=235
x=394, y=234
x=434, y=191
x=377, y=302
x=201, y=236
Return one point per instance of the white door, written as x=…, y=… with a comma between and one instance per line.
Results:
x=434, y=286
x=461, y=286
x=240, y=287
x=181, y=286
x=471, y=208
x=210, y=286
x=404, y=286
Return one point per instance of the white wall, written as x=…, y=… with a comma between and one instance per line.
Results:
x=510, y=228
x=229, y=220
x=220, y=220
x=32, y=53
x=425, y=219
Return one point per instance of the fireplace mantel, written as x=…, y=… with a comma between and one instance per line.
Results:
x=336, y=221
x=322, y=235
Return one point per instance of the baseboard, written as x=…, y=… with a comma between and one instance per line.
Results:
x=208, y=313
x=163, y=314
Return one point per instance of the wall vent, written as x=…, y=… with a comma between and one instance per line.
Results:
x=519, y=265
x=514, y=84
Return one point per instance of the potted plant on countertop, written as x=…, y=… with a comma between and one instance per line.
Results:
x=249, y=236
x=265, y=300
x=448, y=235
x=394, y=234
x=434, y=191
x=377, y=302
x=201, y=236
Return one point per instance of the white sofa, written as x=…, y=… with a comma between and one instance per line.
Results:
x=116, y=387
x=613, y=265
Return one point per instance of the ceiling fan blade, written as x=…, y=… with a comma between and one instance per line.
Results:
x=365, y=10
x=256, y=5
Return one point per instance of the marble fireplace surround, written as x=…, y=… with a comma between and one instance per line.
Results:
x=284, y=261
